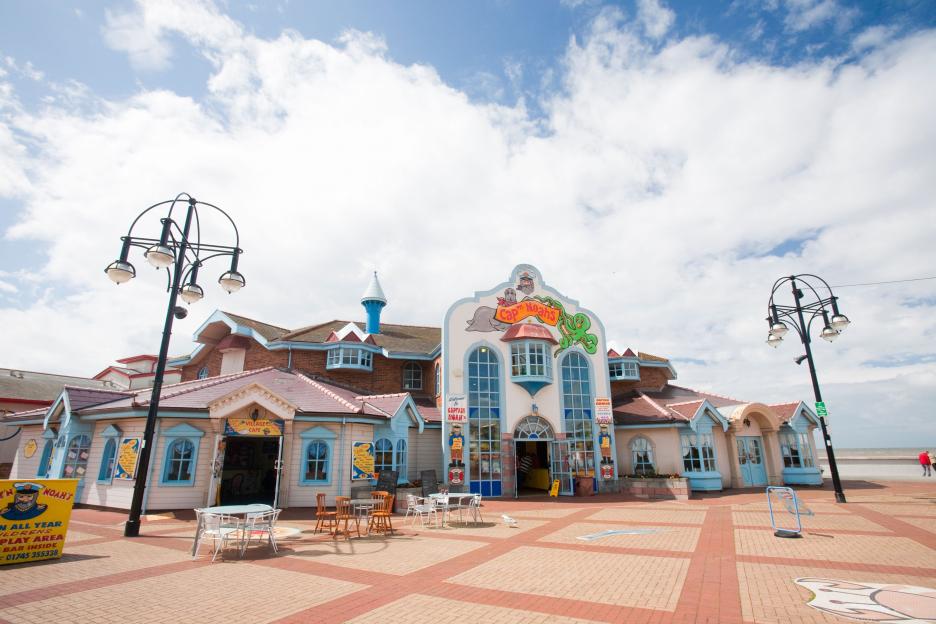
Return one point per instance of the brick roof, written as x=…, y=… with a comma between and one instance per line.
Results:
x=32, y=386
x=786, y=411
x=393, y=338
x=270, y=332
x=80, y=398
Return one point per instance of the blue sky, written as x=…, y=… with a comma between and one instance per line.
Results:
x=662, y=162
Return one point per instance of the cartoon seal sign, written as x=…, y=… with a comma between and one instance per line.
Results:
x=25, y=505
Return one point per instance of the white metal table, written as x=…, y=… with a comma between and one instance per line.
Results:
x=226, y=510
x=447, y=507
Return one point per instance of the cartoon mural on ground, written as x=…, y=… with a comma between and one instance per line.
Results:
x=872, y=602
x=25, y=505
x=573, y=328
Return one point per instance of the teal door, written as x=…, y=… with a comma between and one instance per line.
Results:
x=751, y=461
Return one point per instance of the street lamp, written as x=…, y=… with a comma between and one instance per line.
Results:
x=181, y=256
x=781, y=317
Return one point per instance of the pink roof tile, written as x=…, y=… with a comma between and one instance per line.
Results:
x=524, y=331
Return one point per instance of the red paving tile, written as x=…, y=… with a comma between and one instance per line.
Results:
x=709, y=591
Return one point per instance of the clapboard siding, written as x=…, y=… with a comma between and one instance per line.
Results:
x=181, y=496
x=425, y=452
x=118, y=493
x=26, y=467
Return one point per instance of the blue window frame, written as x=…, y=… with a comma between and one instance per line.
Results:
x=45, y=460
x=623, y=370
x=383, y=455
x=577, y=401
x=108, y=461
x=401, y=459
x=349, y=357
x=315, y=467
x=179, y=467
x=203, y=372
x=484, y=440
x=76, y=458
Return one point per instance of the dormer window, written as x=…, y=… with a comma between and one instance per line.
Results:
x=530, y=358
x=623, y=370
x=350, y=357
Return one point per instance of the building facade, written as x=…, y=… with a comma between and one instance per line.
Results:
x=515, y=392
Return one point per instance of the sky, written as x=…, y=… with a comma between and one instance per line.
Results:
x=662, y=162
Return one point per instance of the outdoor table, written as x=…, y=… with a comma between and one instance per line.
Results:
x=363, y=506
x=227, y=510
x=449, y=507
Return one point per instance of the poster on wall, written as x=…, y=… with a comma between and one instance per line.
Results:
x=29, y=449
x=603, y=415
x=34, y=518
x=456, y=410
x=127, y=456
x=362, y=461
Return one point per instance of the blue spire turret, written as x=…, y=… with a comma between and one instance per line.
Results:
x=373, y=301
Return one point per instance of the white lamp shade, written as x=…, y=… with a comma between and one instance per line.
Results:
x=779, y=329
x=828, y=333
x=840, y=322
x=774, y=340
x=119, y=271
x=160, y=256
x=191, y=293
x=232, y=281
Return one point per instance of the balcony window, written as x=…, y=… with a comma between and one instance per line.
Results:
x=530, y=359
x=349, y=357
x=623, y=370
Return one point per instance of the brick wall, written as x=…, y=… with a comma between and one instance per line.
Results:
x=385, y=378
x=650, y=379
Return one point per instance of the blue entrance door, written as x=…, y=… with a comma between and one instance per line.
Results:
x=751, y=460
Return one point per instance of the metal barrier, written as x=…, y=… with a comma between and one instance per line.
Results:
x=788, y=496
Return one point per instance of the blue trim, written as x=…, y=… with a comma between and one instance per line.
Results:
x=322, y=433
x=624, y=376
x=340, y=348
x=45, y=460
x=401, y=466
x=110, y=448
x=802, y=476
x=669, y=426
x=467, y=425
x=179, y=433
x=707, y=481
x=92, y=415
x=329, y=449
x=111, y=431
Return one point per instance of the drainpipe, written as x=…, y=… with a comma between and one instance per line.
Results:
x=289, y=361
x=341, y=442
x=149, y=469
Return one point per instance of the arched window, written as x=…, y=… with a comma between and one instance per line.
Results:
x=315, y=469
x=484, y=445
x=577, y=401
x=401, y=458
x=383, y=455
x=179, y=466
x=642, y=456
x=45, y=459
x=106, y=473
x=203, y=372
x=76, y=459
x=412, y=376
x=438, y=379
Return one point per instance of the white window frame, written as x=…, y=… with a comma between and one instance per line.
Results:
x=349, y=357
x=530, y=358
x=412, y=376
x=623, y=370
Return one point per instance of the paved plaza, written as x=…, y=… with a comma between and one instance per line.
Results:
x=713, y=559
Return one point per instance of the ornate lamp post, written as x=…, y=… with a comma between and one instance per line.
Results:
x=181, y=256
x=807, y=301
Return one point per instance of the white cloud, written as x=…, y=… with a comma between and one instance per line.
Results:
x=806, y=14
x=651, y=192
x=655, y=17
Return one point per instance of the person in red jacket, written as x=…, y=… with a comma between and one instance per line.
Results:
x=926, y=462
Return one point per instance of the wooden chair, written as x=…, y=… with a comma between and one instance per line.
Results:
x=380, y=519
x=324, y=519
x=344, y=512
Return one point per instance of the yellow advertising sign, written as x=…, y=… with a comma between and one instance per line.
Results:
x=362, y=460
x=252, y=427
x=29, y=449
x=34, y=518
x=127, y=458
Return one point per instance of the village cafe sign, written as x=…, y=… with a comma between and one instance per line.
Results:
x=253, y=427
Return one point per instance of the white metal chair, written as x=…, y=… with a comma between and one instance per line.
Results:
x=419, y=507
x=474, y=508
x=219, y=528
x=258, y=525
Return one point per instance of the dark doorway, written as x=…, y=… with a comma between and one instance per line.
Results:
x=249, y=472
x=532, y=467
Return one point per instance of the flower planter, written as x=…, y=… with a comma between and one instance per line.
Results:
x=656, y=488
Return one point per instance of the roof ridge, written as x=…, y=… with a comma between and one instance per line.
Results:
x=720, y=396
x=23, y=370
x=305, y=328
x=654, y=404
x=329, y=392
x=699, y=400
x=207, y=384
x=127, y=392
x=286, y=329
x=374, y=396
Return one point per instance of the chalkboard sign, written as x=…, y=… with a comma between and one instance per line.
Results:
x=387, y=481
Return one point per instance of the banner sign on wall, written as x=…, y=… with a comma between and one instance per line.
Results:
x=127, y=457
x=457, y=408
x=362, y=461
x=34, y=518
x=29, y=449
x=253, y=427
x=603, y=415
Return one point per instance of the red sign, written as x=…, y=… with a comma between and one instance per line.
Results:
x=528, y=307
x=456, y=409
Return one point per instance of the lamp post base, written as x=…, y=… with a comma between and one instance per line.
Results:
x=132, y=528
x=840, y=497
x=786, y=533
